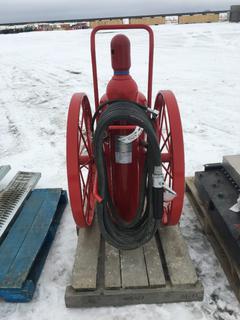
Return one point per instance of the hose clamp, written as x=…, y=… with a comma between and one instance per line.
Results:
x=153, y=112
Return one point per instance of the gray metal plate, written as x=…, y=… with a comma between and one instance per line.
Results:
x=232, y=165
x=13, y=196
x=3, y=171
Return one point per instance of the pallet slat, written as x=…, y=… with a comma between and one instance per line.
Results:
x=133, y=269
x=153, y=263
x=112, y=267
x=88, y=299
x=84, y=274
x=179, y=264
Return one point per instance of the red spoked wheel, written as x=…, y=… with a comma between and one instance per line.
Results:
x=80, y=163
x=169, y=132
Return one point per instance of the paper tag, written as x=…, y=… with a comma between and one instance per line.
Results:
x=169, y=194
x=236, y=206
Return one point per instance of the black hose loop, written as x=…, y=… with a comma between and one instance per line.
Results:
x=117, y=232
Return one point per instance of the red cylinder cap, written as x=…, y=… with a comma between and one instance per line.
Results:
x=120, y=53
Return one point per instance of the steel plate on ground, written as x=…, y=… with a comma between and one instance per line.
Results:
x=13, y=196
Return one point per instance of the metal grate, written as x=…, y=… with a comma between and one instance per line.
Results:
x=3, y=171
x=13, y=196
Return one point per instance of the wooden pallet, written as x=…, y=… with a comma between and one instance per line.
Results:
x=230, y=267
x=25, y=248
x=159, y=272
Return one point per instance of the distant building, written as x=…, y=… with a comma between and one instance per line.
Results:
x=224, y=16
x=151, y=20
x=199, y=18
x=103, y=22
x=65, y=26
x=44, y=27
x=171, y=19
x=79, y=25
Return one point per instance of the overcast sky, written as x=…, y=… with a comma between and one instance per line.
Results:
x=13, y=11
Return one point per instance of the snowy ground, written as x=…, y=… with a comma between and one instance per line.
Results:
x=38, y=74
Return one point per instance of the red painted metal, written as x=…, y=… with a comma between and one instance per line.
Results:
x=123, y=177
x=94, y=63
x=124, y=180
x=120, y=53
x=169, y=132
x=80, y=165
x=122, y=87
x=95, y=190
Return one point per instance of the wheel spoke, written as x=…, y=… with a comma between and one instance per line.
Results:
x=82, y=179
x=160, y=123
x=80, y=127
x=167, y=170
x=166, y=122
x=84, y=166
x=85, y=143
x=82, y=118
x=163, y=115
x=165, y=143
x=85, y=193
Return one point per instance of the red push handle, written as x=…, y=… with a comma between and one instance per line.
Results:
x=150, y=61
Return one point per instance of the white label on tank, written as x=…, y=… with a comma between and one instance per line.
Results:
x=123, y=157
x=123, y=151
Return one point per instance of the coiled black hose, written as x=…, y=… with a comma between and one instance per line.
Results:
x=114, y=229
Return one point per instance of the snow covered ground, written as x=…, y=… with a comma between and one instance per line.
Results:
x=38, y=74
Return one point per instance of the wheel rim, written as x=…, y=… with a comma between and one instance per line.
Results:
x=169, y=133
x=80, y=164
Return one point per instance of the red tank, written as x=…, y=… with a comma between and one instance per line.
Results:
x=123, y=176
